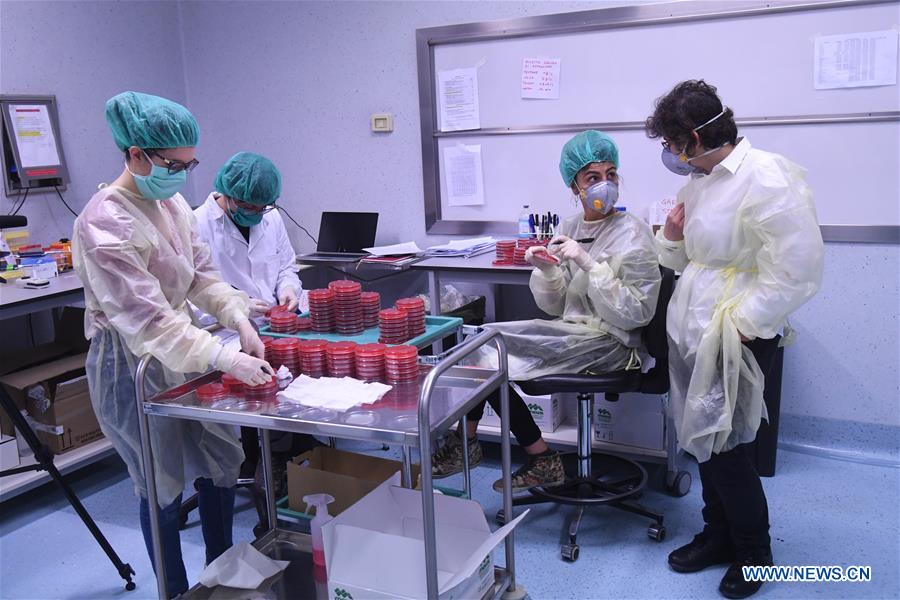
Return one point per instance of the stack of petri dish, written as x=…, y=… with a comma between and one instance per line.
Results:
x=285, y=351
x=321, y=310
x=370, y=361
x=260, y=394
x=522, y=245
x=212, y=393
x=348, y=311
x=393, y=326
x=504, y=250
x=401, y=364
x=235, y=386
x=283, y=321
x=267, y=343
x=303, y=324
x=341, y=359
x=371, y=304
x=415, y=314
x=313, y=357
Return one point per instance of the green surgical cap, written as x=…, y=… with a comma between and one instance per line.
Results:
x=147, y=121
x=250, y=178
x=585, y=148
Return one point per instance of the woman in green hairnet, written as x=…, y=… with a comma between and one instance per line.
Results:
x=602, y=291
x=136, y=251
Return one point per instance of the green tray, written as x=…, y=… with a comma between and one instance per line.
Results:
x=436, y=328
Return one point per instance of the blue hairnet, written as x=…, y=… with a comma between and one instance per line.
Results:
x=250, y=178
x=585, y=148
x=147, y=121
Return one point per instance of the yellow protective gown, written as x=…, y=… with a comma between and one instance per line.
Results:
x=752, y=253
x=601, y=311
x=140, y=261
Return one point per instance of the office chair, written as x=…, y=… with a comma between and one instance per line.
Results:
x=606, y=479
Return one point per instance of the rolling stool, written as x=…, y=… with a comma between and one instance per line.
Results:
x=605, y=479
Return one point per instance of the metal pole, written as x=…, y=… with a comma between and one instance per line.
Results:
x=269, y=478
x=585, y=416
x=434, y=294
x=150, y=477
x=430, y=538
x=407, y=467
x=506, y=460
x=467, y=476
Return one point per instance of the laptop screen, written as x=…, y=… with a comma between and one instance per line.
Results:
x=347, y=232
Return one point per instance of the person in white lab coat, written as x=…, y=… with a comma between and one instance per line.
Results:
x=744, y=236
x=251, y=248
x=135, y=249
x=249, y=243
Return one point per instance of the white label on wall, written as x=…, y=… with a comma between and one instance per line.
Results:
x=540, y=78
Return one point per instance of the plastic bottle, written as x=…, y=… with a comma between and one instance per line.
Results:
x=321, y=502
x=524, y=224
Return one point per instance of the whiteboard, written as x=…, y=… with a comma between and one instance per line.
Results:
x=762, y=66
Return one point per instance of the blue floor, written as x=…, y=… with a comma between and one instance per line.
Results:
x=823, y=512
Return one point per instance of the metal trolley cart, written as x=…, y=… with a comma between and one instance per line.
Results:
x=409, y=415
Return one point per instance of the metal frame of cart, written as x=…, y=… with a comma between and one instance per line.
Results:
x=457, y=389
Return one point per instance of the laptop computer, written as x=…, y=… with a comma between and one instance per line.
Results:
x=343, y=235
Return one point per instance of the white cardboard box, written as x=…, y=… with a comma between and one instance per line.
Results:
x=9, y=452
x=634, y=420
x=546, y=411
x=374, y=549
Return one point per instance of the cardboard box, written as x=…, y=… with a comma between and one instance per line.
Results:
x=634, y=420
x=347, y=476
x=374, y=548
x=569, y=404
x=9, y=452
x=546, y=411
x=41, y=267
x=57, y=399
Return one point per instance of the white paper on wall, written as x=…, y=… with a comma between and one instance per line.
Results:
x=458, y=99
x=856, y=60
x=540, y=78
x=463, y=174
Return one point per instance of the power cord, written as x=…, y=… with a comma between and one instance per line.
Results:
x=19, y=207
x=282, y=209
x=58, y=193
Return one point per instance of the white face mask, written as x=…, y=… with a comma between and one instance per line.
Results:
x=680, y=163
x=600, y=197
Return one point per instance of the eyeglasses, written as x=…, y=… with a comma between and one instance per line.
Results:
x=176, y=166
x=252, y=208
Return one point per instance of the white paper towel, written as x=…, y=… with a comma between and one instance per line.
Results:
x=332, y=392
x=241, y=566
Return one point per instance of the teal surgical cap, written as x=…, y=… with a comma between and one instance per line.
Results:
x=147, y=121
x=250, y=178
x=585, y=148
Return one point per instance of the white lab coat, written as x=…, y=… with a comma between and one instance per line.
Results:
x=752, y=253
x=600, y=312
x=261, y=268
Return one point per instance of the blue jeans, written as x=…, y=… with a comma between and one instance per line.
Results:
x=216, y=507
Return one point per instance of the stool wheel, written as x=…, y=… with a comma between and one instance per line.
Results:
x=130, y=586
x=678, y=484
x=657, y=533
x=569, y=552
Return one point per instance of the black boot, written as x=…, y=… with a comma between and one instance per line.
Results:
x=734, y=585
x=704, y=551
